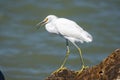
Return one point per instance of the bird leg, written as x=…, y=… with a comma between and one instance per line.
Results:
x=83, y=64
x=65, y=59
x=67, y=54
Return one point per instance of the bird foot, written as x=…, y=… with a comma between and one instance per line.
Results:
x=83, y=68
x=58, y=70
x=79, y=72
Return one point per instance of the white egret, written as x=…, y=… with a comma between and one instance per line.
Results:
x=69, y=30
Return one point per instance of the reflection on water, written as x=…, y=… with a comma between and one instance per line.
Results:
x=26, y=53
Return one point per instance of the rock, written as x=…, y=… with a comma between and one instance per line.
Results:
x=108, y=69
x=1, y=76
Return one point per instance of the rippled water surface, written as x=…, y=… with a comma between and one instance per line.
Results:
x=29, y=54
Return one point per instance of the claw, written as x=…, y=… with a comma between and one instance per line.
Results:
x=58, y=70
x=83, y=68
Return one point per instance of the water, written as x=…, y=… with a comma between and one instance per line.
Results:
x=26, y=54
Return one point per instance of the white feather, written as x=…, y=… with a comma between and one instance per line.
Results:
x=68, y=29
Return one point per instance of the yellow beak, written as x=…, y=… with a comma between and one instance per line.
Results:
x=42, y=23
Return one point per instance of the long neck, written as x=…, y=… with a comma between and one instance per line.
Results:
x=51, y=28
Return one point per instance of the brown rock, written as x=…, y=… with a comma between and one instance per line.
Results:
x=108, y=69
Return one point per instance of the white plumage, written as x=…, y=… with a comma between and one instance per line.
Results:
x=69, y=30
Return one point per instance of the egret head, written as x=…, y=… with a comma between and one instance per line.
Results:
x=48, y=19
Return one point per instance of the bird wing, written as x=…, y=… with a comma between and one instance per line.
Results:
x=68, y=28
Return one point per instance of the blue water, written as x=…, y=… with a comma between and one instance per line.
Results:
x=30, y=54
